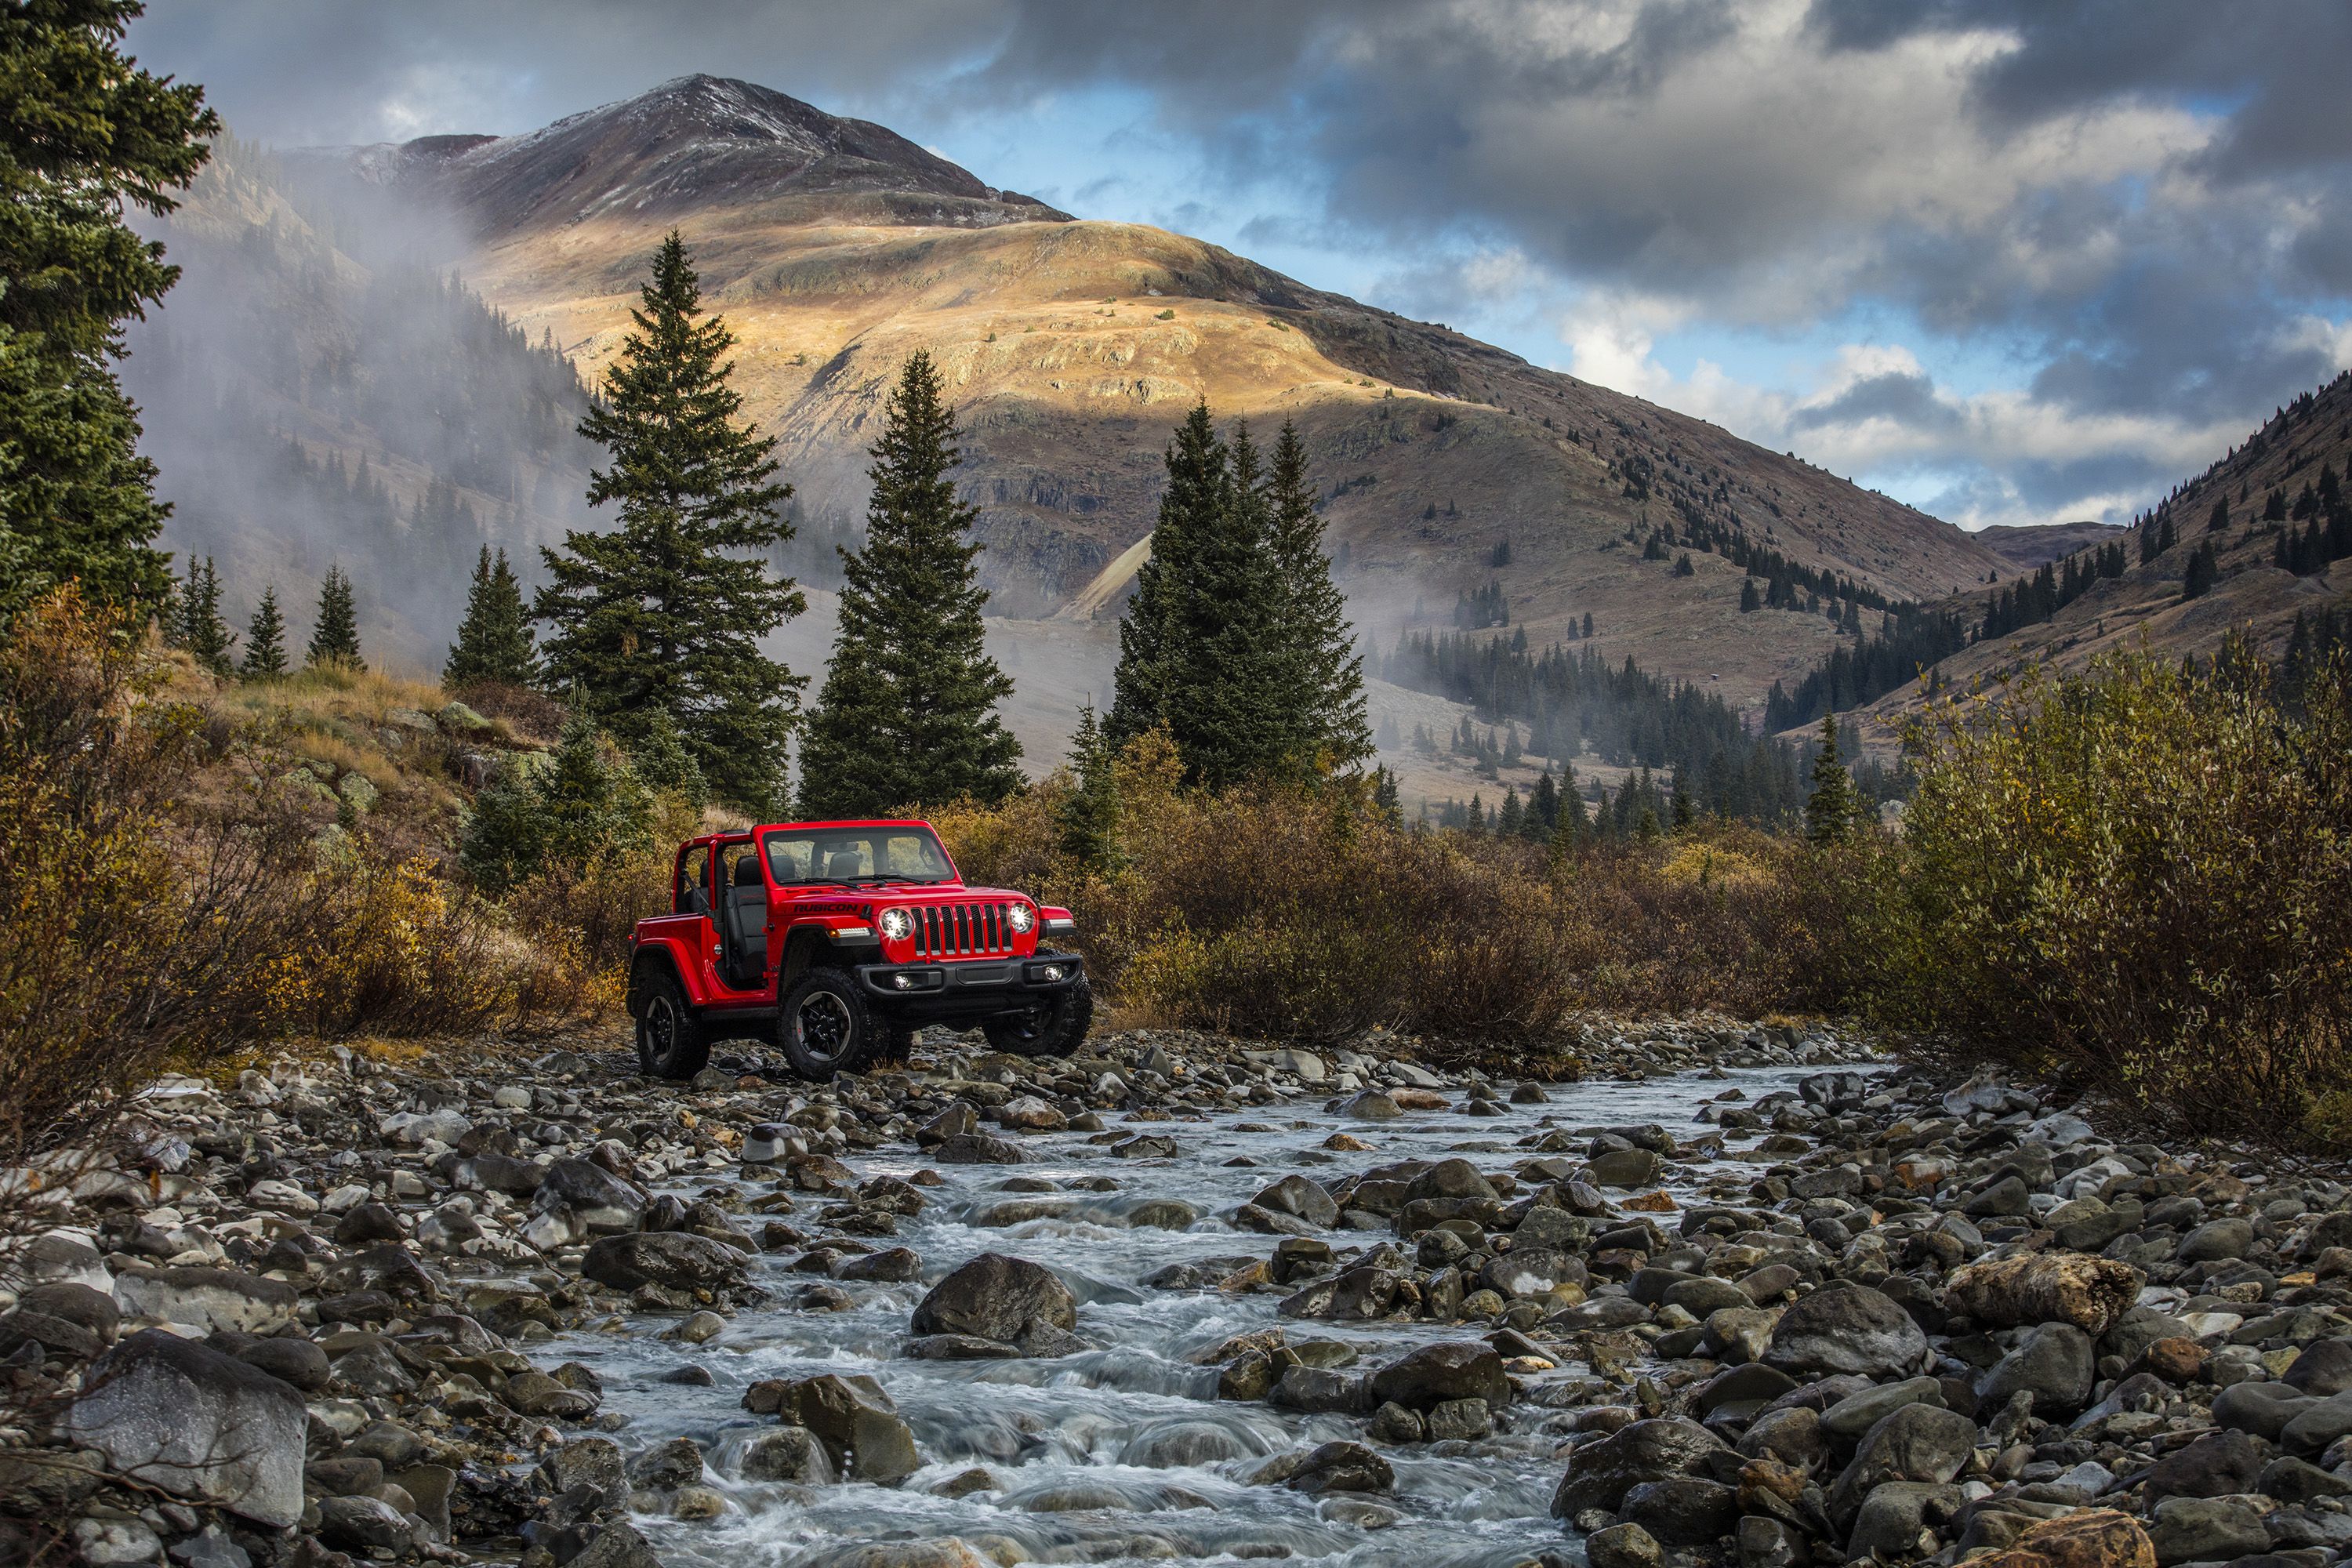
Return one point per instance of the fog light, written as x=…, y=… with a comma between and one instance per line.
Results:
x=903, y=981
x=1052, y=972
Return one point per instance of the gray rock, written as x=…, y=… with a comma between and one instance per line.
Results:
x=2322, y=1369
x=2220, y=1464
x=1888, y=1524
x=1623, y=1546
x=599, y=1200
x=2206, y=1529
x=1600, y=1473
x=1627, y=1168
x=2313, y=1428
x=995, y=1297
x=787, y=1453
x=2215, y=1241
x=1303, y=1199
x=368, y=1526
x=863, y=1435
x=1683, y=1511
x=1459, y=1369
x=2055, y=1362
x=1849, y=1419
x=2263, y=1409
x=1847, y=1329
x=668, y=1465
x=617, y=1546
x=673, y=1260
x=978, y=1149
x=1341, y=1468
x=197, y=1424
x=208, y=1300
x=1916, y=1442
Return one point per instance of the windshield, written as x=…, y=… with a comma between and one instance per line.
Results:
x=849, y=854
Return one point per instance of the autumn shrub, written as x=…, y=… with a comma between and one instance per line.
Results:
x=1304, y=913
x=167, y=894
x=2134, y=882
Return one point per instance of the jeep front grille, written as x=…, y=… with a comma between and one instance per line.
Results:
x=961, y=930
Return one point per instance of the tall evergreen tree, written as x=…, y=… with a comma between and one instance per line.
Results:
x=666, y=612
x=1231, y=707
x=265, y=639
x=84, y=133
x=494, y=641
x=1327, y=673
x=335, y=637
x=1203, y=648
x=908, y=713
x=1151, y=635
x=202, y=631
x=1833, y=810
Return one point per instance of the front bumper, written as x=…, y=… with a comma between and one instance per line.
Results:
x=968, y=988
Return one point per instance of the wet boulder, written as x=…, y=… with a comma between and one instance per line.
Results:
x=1847, y=1329
x=181, y=1417
x=1434, y=1374
x=1601, y=1472
x=860, y=1429
x=592, y=1199
x=1301, y=1198
x=995, y=1297
x=1682, y=1511
x=672, y=1259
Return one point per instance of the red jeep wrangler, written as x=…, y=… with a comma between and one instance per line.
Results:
x=843, y=939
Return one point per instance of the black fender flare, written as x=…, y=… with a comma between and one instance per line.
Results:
x=650, y=960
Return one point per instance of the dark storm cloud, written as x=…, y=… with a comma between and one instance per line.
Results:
x=1906, y=397
x=2145, y=201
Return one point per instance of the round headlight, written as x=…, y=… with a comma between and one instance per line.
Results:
x=1021, y=917
x=897, y=924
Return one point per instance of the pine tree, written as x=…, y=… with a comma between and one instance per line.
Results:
x=335, y=638
x=587, y=806
x=1832, y=810
x=2203, y=573
x=665, y=613
x=1326, y=672
x=494, y=641
x=1202, y=650
x=1088, y=818
x=265, y=639
x=201, y=629
x=908, y=714
x=85, y=134
x=1231, y=710
x=664, y=765
x=1151, y=635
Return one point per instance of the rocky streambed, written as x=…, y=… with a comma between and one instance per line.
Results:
x=1728, y=1298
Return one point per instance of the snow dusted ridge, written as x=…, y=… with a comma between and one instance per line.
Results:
x=694, y=141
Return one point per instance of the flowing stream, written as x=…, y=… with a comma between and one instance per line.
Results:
x=1123, y=1453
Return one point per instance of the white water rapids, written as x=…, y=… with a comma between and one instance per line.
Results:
x=1123, y=1454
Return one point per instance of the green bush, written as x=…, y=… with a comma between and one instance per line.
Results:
x=2134, y=883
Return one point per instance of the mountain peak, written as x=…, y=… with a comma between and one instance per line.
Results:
x=694, y=143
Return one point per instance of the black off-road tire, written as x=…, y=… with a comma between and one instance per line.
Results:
x=823, y=1026
x=1054, y=1028
x=671, y=1041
